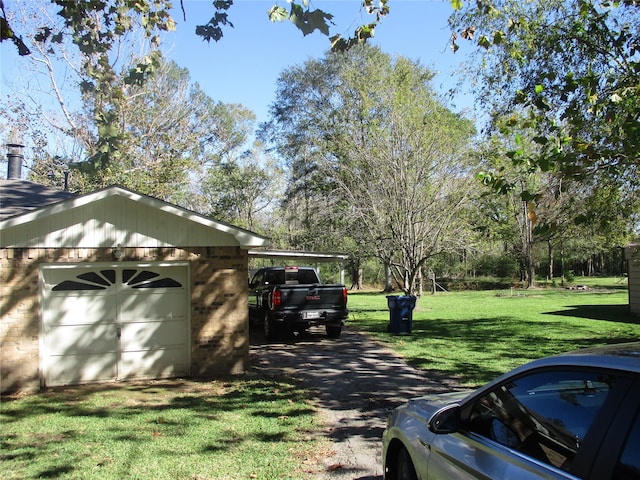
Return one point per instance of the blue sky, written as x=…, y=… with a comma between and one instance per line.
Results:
x=244, y=66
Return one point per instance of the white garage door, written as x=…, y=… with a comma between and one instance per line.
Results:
x=109, y=322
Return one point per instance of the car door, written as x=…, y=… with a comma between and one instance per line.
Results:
x=545, y=424
x=627, y=465
x=618, y=457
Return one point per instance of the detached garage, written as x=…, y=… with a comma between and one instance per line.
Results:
x=116, y=285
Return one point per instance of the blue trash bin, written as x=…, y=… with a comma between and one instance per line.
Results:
x=401, y=313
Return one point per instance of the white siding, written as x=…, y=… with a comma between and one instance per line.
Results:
x=112, y=221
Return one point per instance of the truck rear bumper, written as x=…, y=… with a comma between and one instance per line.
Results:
x=310, y=317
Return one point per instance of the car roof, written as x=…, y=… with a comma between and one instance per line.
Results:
x=620, y=356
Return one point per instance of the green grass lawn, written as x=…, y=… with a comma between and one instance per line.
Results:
x=241, y=428
x=253, y=427
x=476, y=336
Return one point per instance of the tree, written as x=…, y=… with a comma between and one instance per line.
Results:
x=164, y=124
x=98, y=29
x=546, y=207
x=386, y=148
x=311, y=207
x=406, y=189
x=173, y=141
x=96, y=43
x=170, y=132
x=240, y=189
x=522, y=189
x=156, y=16
x=573, y=64
x=572, y=68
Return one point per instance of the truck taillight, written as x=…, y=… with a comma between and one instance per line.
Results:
x=276, y=298
x=344, y=295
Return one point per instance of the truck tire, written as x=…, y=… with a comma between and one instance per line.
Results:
x=333, y=331
x=269, y=327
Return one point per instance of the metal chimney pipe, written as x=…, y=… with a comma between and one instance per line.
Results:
x=15, y=158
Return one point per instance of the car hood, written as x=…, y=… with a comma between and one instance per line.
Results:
x=429, y=404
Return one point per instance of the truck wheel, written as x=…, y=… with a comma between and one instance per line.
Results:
x=269, y=327
x=333, y=331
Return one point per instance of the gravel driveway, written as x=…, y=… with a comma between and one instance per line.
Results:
x=358, y=382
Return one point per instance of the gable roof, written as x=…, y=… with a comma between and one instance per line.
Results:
x=117, y=216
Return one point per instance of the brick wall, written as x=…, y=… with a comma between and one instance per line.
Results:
x=219, y=312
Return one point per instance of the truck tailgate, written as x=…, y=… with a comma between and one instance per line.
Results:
x=312, y=297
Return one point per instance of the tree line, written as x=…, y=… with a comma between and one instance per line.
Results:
x=359, y=154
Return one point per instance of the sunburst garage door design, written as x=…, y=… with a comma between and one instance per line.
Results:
x=114, y=322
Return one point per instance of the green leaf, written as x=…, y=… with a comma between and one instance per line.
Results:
x=518, y=139
x=6, y=33
x=42, y=35
x=308, y=22
x=209, y=32
x=338, y=44
x=543, y=229
x=278, y=14
x=581, y=219
x=456, y=4
x=542, y=104
x=545, y=164
x=365, y=32
x=539, y=89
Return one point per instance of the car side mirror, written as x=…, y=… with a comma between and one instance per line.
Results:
x=446, y=420
x=252, y=285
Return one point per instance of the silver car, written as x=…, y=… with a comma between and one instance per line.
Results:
x=563, y=417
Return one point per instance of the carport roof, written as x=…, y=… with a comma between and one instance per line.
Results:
x=294, y=255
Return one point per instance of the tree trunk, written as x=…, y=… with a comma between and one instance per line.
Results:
x=550, y=246
x=529, y=248
x=562, y=261
x=388, y=284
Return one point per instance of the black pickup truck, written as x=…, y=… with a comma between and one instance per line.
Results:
x=290, y=299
